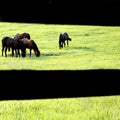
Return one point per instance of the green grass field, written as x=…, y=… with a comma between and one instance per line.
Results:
x=90, y=108
x=92, y=47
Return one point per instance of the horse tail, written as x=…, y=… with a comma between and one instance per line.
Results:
x=70, y=39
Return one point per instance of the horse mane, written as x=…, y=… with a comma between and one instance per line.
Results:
x=34, y=44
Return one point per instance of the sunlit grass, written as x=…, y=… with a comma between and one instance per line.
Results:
x=92, y=47
x=94, y=108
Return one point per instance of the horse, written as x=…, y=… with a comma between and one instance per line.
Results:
x=62, y=38
x=22, y=35
x=31, y=45
x=17, y=45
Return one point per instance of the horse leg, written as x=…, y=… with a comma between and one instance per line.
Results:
x=5, y=51
x=9, y=48
x=64, y=43
x=67, y=42
x=30, y=52
x=16, y=52
x=2, y=50
x=12, y=52
x=19, y=52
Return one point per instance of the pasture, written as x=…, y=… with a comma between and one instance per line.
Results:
x=92, y=47
x=90, y=108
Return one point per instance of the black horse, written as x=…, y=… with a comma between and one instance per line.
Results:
x=62, y=38
x=16, y=45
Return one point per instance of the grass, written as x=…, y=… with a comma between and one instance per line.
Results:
x=92, y=47
x=90, y=108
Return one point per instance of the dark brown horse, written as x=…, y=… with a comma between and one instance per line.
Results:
x=22, y=35
x=16, y=45
x=62, y=38
x=30, y=44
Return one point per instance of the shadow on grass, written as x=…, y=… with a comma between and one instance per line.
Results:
x=50, y=54
x=64, y=52
x=84, y=48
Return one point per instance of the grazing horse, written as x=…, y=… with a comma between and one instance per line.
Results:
x=31, y=45
x=22, y=35
x=8, y=42
x=62, y=38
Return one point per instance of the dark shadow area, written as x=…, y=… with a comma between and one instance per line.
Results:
x=27, y=84
x=84, y=12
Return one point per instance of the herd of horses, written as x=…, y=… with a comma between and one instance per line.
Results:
x=20, y=42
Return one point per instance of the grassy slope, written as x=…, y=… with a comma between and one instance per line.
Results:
x=90, y=108
x=92, y=47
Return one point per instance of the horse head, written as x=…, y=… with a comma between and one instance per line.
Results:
x=69, y=39
x=37, y=53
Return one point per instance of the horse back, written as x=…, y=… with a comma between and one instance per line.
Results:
x=7, y=41
x=29, y=43
x=62, y=37
x=22, y=35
